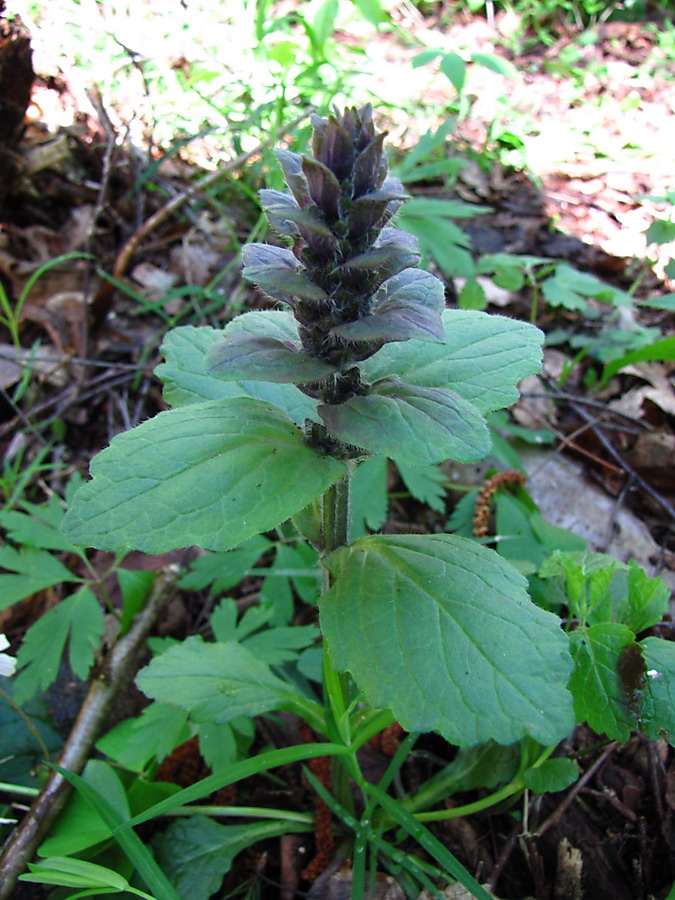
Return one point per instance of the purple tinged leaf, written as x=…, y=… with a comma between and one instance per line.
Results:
x=367, y=167
x=324, y=188
x=409, y=305
x=285, y=216
x=291, y=166
x=252, y=357
x=277, y=272
x=393, y=186
x=338, y=149
x=418, y=425
x=396, y=250
x=369, y=209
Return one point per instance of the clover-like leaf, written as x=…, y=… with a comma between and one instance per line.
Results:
x=482, y=358
x=210, y=474
x=441, y=631
x=264, y=346
x=277, y=272
x=409, y=305
x=187, y=381
x=417, y=425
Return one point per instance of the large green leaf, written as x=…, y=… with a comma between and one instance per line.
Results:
x=482, y=359
x=441, y=631
x=600, y=695
x=214, y=682
x=417, y=425
x=210, y=474
x=264, y=346
x=187, y=381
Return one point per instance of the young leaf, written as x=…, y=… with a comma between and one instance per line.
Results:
x=417, y=425
x=187, y=381
x=409, y=305
x=659, y=707
x=441, y=631
x=645, y=602
x=278, y=272
x=482, y=359
x=31, y=571
x=223, y=571
x=215, y=682
x=79, y=620
x=551, y=776
x=600, y=697
x=211, y=474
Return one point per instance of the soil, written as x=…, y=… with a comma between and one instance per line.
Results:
x=73, y=190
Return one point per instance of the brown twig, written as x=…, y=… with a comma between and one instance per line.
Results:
x=116, y=671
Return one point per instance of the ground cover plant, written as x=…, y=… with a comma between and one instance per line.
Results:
x=307, y=379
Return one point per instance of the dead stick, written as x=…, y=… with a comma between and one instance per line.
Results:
x=125, y=255
x=116, y=671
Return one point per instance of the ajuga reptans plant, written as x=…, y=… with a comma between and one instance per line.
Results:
x=272, y=414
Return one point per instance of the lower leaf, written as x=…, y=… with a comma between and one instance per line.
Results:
x=441, y=631
x=211, y=474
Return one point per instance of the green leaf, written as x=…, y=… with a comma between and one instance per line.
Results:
x=496, y=64
x=417, y=425
x=600, y=697
x=20, y=753
x=663, y=351
x=472, y=295
x=35, y=570
x=441, y=631
x=152, y=735
x=454, y=69
x=264, y=346
x=80, y=826
x=70, y=872
x=223, y=571
x=645, y=602
x=196, y=852
x=135, y=587
x=187, y=381
x=482, y=359
x=659, y=707
x=661, y=231
x=427, y=484
x=551, y=776
x=441, y=239
x=32, y=531
x=210, y=474
x=275, y=646
x=368, y=502
x=77, y=619
x=215, y=682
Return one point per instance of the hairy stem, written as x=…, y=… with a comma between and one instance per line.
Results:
x=116, y=671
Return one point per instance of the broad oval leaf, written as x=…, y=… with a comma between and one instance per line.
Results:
x=409, y=305
x=187, y=381
x=417, y=425
x=264, y=346
x=441, y=631
x=482, y=358
x=210, y=474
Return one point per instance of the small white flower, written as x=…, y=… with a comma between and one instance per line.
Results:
x=7, y=663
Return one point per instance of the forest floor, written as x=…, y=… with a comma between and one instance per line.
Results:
x=567, y=156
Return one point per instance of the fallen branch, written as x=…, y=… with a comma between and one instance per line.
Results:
x=117, y=670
